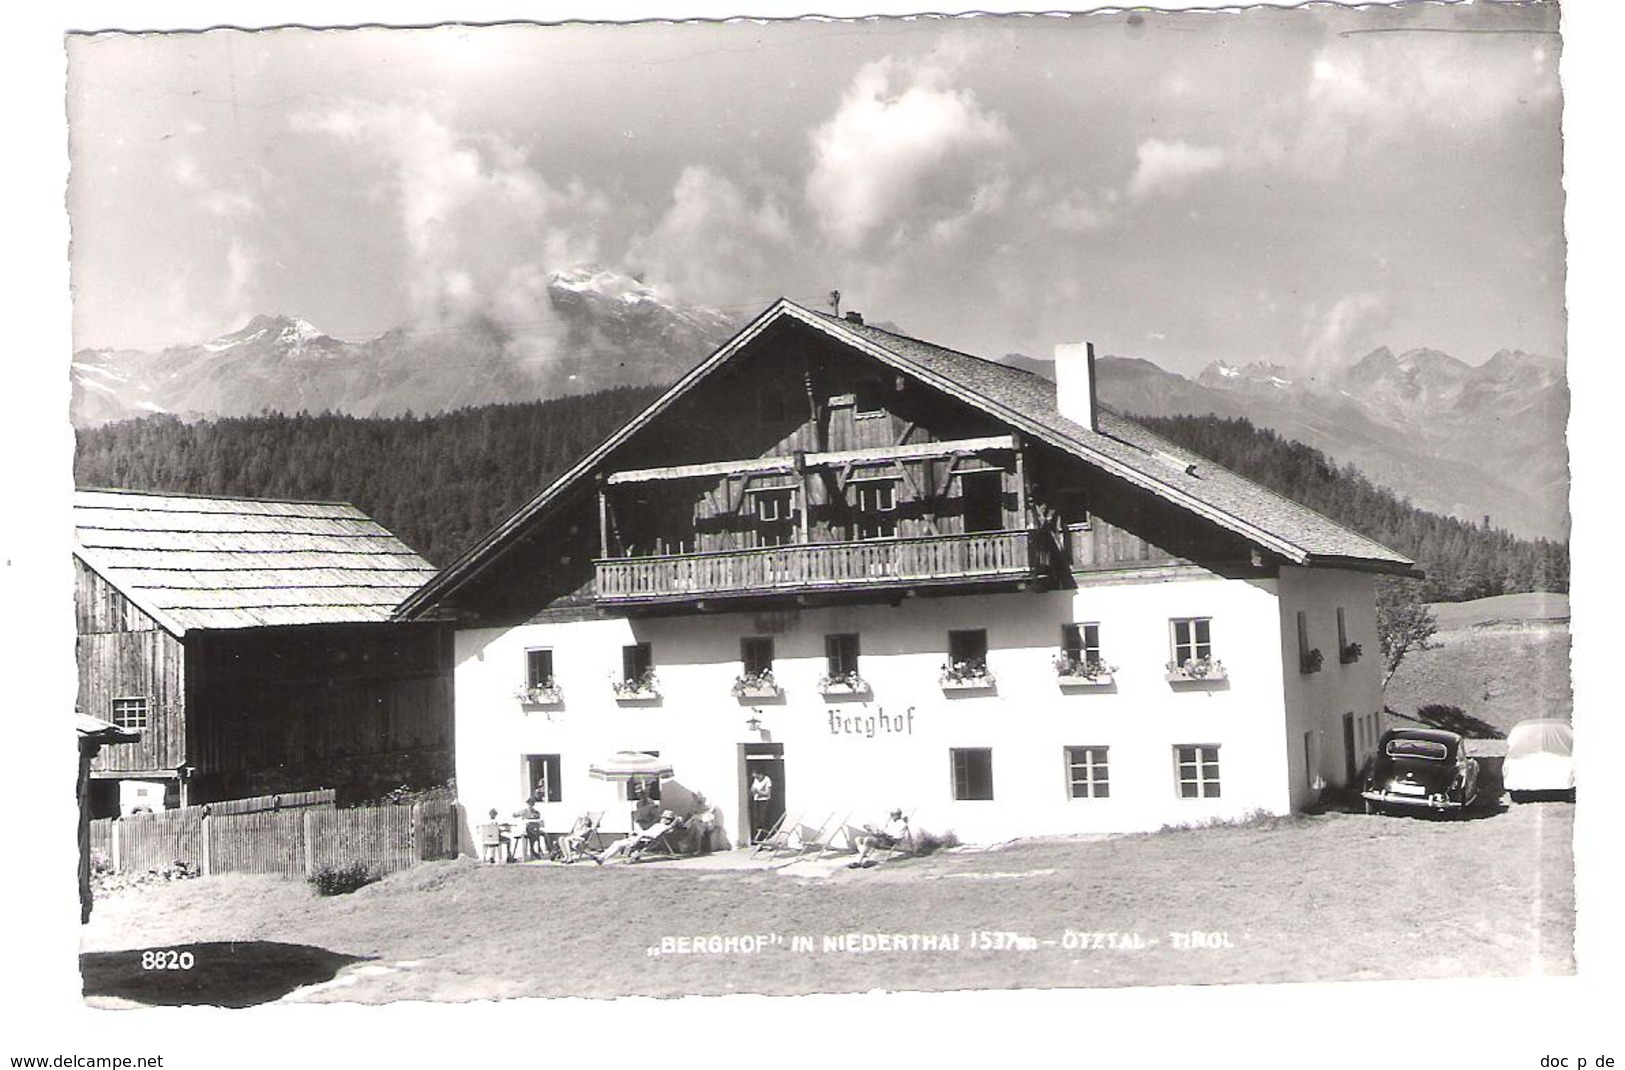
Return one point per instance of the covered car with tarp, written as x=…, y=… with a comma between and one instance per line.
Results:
x=1540, y=759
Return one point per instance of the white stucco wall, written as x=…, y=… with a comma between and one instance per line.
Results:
x=1316, y=702
x=892, y=749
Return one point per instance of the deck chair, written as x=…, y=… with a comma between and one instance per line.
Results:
x=831, y=836
x=904, y=845
x=778, y=837
x=660, y=846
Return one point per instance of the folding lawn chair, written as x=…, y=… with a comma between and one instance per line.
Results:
x=778, y=837
x=583, y=840
x=828, y=833
x=658, y=846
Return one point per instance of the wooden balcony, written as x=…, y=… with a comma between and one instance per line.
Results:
x=984, y=558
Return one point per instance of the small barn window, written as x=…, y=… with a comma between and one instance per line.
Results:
x=130, y=712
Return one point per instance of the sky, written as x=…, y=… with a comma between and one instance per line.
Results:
x=1297, y=186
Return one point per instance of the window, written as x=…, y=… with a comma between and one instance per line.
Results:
x=841, y=654
x=973, y=773
x=1081, y=642
x=1303, y=636
x=130, y=712
x=1193, y=639
x=1343, y=651
x=542, y=779
x=756, y=654
x=982, y=494
x=1086, y=773
x=876, y=508
x=775, y=517
x=539, y=668
x=867, y=399
x=968, y=648
x=1197, y=768
x=637, y=662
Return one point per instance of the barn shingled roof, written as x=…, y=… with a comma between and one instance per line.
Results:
x=197, y=562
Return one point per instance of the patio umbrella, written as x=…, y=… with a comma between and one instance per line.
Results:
x=629, y=765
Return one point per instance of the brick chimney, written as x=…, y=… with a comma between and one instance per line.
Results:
x=1075, y=383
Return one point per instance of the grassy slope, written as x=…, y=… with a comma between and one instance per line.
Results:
x=1305, y=899
x=1500, y=660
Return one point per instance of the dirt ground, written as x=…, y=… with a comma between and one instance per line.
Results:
x=1316, y=898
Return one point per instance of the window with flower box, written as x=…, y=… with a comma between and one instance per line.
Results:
x=967, y=659
x=756, y=663
x=841, y=664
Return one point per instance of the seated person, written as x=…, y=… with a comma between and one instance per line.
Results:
x=640, y=838
x=573, y=845
x=645, y=813
x=494, y=843
x=888, y=836
x=533, y=829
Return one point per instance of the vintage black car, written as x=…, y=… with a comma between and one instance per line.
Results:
x=1421, y=769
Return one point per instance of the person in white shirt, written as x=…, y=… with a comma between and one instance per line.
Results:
x=889, y=835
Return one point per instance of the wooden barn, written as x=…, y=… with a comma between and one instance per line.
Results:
x=249, y=642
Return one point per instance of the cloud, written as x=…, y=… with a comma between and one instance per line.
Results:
x=1365, y=92
x=474, y=212
x=1167, y=166
x=904, y=150
x=1349, y=328
x=241, y=267
x=712, y=244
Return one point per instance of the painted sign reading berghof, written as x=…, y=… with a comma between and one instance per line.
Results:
x=870, y=725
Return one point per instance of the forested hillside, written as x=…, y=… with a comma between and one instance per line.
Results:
x=439, y=482
x=1463, y=561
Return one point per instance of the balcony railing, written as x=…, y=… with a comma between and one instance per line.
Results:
x=808, y=567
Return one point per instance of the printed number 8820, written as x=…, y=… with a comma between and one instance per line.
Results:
x=166, y=960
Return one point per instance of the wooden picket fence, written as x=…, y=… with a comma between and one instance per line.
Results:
x=298, y=837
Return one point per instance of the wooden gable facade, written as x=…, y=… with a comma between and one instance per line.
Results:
x=804, y=469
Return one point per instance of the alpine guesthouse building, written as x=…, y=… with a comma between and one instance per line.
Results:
x=892, y=575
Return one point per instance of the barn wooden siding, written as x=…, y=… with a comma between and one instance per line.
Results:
x=291, y=841
x=123, y=653
x=364, y=708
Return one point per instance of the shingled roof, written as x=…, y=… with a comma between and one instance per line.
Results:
x=1130, y=450
x=1026, y=402
x=195, y=562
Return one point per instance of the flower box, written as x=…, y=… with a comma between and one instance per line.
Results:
x=759, y=686
x=645, y=688
x=1311, y=662
x=966, y=676
x=540, y=695
x=1197, y=671
x=848, y=686
x=1078, y=680
x=1073, y=671
x=1350, y=654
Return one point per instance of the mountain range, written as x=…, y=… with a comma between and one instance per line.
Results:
x=1457, y=439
